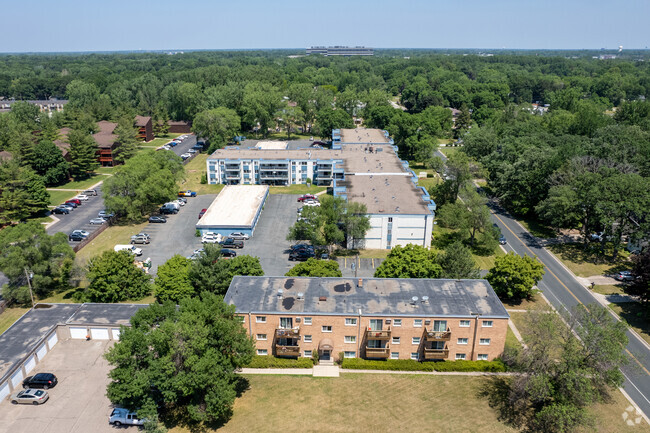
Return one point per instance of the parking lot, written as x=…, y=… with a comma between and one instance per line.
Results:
x=78, y=403
x=79, y=218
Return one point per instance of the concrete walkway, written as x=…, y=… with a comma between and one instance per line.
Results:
x=335, y=370
x=294, y=371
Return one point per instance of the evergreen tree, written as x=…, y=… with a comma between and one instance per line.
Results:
x=127, y=141
x=22, y=194
x=83, y=154
x=49, y=163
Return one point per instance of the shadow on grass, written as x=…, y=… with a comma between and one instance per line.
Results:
x=496, y=390
x=593, y=253
x=636, y=315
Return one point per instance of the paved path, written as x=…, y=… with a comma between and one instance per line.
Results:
x=331, y=370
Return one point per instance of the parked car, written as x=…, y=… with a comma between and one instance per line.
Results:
x=232, y=243
x=67, y=206
x=82, y=197
x=301, y=255
x=30, y=396
x=146, y=235
x=239, y=236
x=187, y=193
x=83, y=233
x=75, y=201
x=211, y=238
x=130, y=248
x=40, y=380
x=203, y=211
x=105, y=214
x=319, y=143
x=168, y=210
x=192, y=150
x=76, y=237
x=120, y=416
x=97, y=220
x=71, y=203
x=139, y=239
x=624, y=276
x=90, y=192
x=181, y=199
x=311, y=203
x=61, y=210
x=226, y=253
x=157, y=219
x=305, y=197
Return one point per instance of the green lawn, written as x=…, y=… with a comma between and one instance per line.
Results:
x=634, y=315
x=443, y=237
x=428, y=182
x=193, y=171
x=511, y=340
x=9, y=316
x=609, y=289
x=104, y=170
x=487, y=262
x=535, y=303
x=58, y=197
x=448, y=151
x=537, y=228
x=297, y=189
x=80, y=185
x=382, y=403
x=159, y=141
x=118, y=234
x=587, y=262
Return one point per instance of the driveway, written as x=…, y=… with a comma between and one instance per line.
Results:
x=78, y=218
x=78, y=404
x=177, y=235
x=185, y=145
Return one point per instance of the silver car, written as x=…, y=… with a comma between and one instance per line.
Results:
x=97, y=221
x=30, y=396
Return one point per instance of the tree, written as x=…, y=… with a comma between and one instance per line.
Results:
x=640, y=286
x=471, y=217
x=212, y=273
x=513, y=276
x=410, y=261
x=172, y=282
x=49, y=163
x=187, y=360
x=315, y=268
x=328, y=120
x=457, y=262
x=27, y=248
x=463, y=122
x=83, y=153
x=113, y=277
x=261, y=102
x=567, y=369
x=288, y=117
x=22, y=193
x=138, y=187
x=126, y=144
x=356, y=223
x=217, y=126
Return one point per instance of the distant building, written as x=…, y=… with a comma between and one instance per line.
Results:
x=341, y=51
x=63, y=144
x=180, y=126
x=45, y=106
x=145, y=128
x=106, y=143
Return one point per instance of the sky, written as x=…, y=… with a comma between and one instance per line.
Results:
x=116, y=25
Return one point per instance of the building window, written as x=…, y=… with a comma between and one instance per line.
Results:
x=487, y=323
x=350, y=321
x=439, y=326
x=462, y=341
x=307, y=354
x=394, y=355
x=414, y=355
x=286, y=322
x=482, y=357
x=460, y=356
x=464, y=324
x=395, y=340
x=484, y=341
x=307, y=338
x=417, y=323
x=397, y=322
x=390, y=219
x=262, y=352
x=349, y=354
x=260, y=319
x=307, y=321
x=415, y=340
x=350, y=339
x=326, y=328
x=261, y=337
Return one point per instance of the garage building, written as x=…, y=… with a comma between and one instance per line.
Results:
x=237, y=208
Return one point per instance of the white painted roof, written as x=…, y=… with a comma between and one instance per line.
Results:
x=235, y=206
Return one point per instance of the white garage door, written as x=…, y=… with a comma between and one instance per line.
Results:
x=78, y=333
x=99, y=333
x=52, y=340
x=41, y=352
x=116, y=334
x=17, y=378
x=30, y=364
x=4, y=391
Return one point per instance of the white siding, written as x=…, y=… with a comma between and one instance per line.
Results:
x=4, y=391
x=30, y=364
x=78, y=333
x=17, y=378
x=52, y=340
x=41, y=352
x=115, y=333
x=99, y=333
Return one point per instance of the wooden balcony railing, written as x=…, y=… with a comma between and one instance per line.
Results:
x=437, y=335
x=287, y=350
x=383, y=334
x=436, y=353
x=287, y=333
x=377, y=352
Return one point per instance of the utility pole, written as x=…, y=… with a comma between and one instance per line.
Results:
x=29, y=284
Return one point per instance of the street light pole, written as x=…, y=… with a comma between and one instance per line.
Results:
x=29, y=284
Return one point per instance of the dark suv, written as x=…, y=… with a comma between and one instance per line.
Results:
x=40, y=380
x=77, y=237
x=301, y=254
x=232, y=243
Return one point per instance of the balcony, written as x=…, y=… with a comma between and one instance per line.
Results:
x=383, y=334
x=287, y=333
x=437, y=335
x=287, y=350
x=378, y=352
x=436, y=354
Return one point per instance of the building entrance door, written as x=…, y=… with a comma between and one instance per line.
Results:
x=325, y=355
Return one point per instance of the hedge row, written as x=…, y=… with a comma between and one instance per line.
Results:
x=412, y=365
x=260, y=361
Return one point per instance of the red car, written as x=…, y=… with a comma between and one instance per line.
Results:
x=203, y=211
x=306, y=196
x=75, y=201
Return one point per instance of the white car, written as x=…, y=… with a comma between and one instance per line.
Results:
x=121, y=416
x=211, y=238
x=191, y=151
x=311, y=203
x=97, y=220
x=82, y=197
x=180, y=202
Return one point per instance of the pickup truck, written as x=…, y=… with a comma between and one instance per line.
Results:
x=187, y=193
x=231, y=243
x=121, y=416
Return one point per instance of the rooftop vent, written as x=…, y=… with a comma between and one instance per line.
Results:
x=280, y=293
x=322, y=298
x=425, y=299
x=300, y=296
x=360, y=283
x=414, y=300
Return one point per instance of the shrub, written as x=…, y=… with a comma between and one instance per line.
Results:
x=204, y=178
x=412, y=365
x=266, y=361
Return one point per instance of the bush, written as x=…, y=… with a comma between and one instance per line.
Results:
x=261, y=361
x=412, y=365
x=204, y=178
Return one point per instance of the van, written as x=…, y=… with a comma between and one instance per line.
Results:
x=130, y=248
x=121, y=416
x=92, y=192
x=172, y=204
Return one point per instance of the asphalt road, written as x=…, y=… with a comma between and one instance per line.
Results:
x=564, y=292
x=79, y=218
x=185, y=145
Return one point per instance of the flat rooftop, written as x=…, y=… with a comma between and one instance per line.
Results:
x=235, y=206
x=390, y=297
x=389, y=195
x=363, y=135
x=248, y=153
x=273, y=145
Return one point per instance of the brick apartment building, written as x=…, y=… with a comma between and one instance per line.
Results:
x=145, y=128
x=374, y=318
x=180, y=126
x=106, y=143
